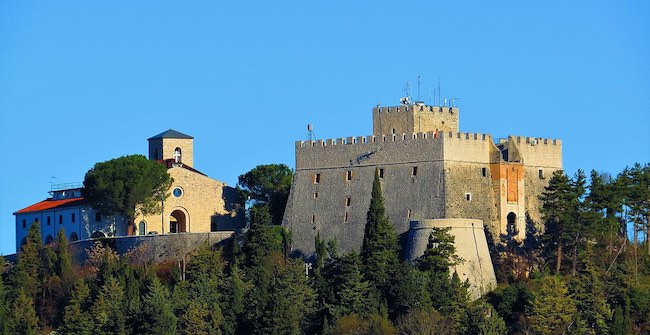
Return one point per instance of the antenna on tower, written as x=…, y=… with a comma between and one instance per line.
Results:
x=407, y=89
x=418, y=87
x=310, y=132
x=438, y=92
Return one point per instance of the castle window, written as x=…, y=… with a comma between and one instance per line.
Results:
x=414, y=171
x=317, y=178
x=348, y=202
x=315, y=195
x=348, y=175
x=468, y=196
x=48, y=221
x=73, y=217
x=540, y=172
x=408, y=213
x=484, y=172
x=345, y=218
x=313, y=219
x=24, y=223
x=177, y=155
x=393, y=131
x=98, y=217
x=381, y=173
x=60, y=219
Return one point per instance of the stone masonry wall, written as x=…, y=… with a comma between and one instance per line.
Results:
x=166, y=147
x=322, y=205
x=413, y=118
x=204, y=201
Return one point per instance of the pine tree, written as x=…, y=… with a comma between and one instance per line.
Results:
x=484, y=320
x=157, y=312
x=24, y=321
x=552, y=310
x=587, y=290
x=109, y=309
x=4, y=304
x=558, y=209
x=380, y=250
x=233, y=297
x=77, y=319
x=28, y=263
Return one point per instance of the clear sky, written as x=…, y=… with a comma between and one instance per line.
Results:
x=87, y=81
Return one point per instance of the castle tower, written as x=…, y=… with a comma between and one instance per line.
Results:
x=413, y=118
x=172, y=144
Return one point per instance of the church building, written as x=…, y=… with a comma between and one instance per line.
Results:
x=196, y=202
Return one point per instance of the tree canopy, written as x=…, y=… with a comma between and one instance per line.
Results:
x=268, y=185
x=126, y=185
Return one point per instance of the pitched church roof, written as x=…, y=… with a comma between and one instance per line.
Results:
x=171, y=133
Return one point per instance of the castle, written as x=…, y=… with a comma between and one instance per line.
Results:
x=196, y=204
x=431, y=175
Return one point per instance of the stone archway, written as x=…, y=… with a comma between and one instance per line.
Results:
x=177, y=222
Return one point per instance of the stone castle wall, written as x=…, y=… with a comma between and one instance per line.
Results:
x=407, y=119
x=471, y=247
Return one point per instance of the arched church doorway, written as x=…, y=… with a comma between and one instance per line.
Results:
x=177, y=222
x=512, y=224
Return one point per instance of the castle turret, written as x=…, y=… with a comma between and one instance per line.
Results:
x=413, y=118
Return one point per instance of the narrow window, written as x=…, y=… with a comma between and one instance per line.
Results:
x=414, y=172
x=540, y=173
x=317, y=178
x=24, y=223
x=177, y=155
x=393, y=130
x=48, y=220
x=98, y=217
x=348, y=201
x=408, y=213
x=484, y=172
x=348, y=175
x=60, y=219
x=73, y=217
x=468, y=196
x=381, y=173
x=36, y=220
x=315, y=195
x=345, y=219
x=313, y=219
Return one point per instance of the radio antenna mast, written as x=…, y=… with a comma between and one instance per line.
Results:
x=418, y=87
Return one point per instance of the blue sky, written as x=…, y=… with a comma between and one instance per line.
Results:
x=83, y=82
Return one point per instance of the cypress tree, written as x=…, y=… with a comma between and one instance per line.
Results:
x=380, y=250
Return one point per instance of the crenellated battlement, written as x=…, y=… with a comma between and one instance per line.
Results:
x=370, y=139
x=535, y=140
x=416, y=108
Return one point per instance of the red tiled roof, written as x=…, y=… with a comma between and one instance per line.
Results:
x=52, y=204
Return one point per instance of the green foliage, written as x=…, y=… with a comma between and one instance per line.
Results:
x=552, y=310
x=587, y=290
x=124, y=185
x=109, y=309
x=28, y=263
x=157, y=311
x=4, y=304
x=411, y=293
x=24, y=321
x=77, y=319
x=483, y=320
x=233, y=301
x=424, y=323
x=380, y=250
x=268, y=185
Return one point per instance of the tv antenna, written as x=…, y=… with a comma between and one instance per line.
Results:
x=418, y=87
x=407, y=89
x=310, y=132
